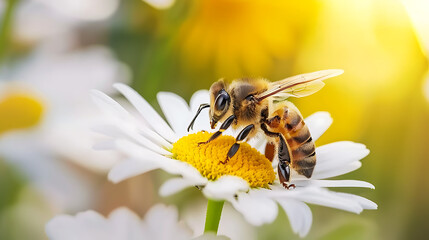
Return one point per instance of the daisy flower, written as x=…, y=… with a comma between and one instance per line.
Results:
x=160, y=223
x=45, y=117
x=248, y=181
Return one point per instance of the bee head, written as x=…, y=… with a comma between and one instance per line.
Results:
x=243, y=91
x=220, y=102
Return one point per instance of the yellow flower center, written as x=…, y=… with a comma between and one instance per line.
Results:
x=19, y=111
x=247, y=163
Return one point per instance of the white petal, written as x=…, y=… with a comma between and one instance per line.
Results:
x=160, y=213
x=333, y=183
x=211, y=236
x=299, y=214
x=125, y=224
x=198, y=98
x=104, y=145
x=327, y=198
x=225, y=187
x=61, y=227
x=338, y=154
x=256, y=210
x=162, y=222
x=108, y=105
x=318, y=123
x=122, y=214
x=124, y=121
x=136, y=151
x=365, y=203
x=147, y=112
x=130, y=168
x=120, y=128
x=152, y=135
x=186, y=170
x=108, y=130
x=167, y=164
x=175, y=185
x=336, y=171
x=176, y=111
x=134, y=135
x=85, y=226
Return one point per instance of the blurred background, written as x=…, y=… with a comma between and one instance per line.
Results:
x=53, y=52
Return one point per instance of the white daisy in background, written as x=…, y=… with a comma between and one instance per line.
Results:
x=89, y=10
x=247, y=181
x=160, y=223
x=46, y=117
x=56, y=22
x=36, y=23
x=94, y=10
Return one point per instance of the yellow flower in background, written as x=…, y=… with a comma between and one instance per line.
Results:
x=374, y=42
x=236, y=37
x=418, y=11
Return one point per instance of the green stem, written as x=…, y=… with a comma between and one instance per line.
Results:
x=214, y=210
x=5, y=28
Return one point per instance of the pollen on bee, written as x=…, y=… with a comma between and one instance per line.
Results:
x=247, y=163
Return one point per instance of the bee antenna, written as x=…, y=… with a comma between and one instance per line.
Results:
x=202, y=106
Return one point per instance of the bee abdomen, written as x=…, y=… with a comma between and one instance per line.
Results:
x=293, y=120
x=304, y=150
x=300, y=143
x=304, y=158
x=305, y=166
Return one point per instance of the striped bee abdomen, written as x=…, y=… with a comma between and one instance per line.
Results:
x=301, y=145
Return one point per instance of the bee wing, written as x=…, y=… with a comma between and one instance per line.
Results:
x=298, y=86
x=300, y=90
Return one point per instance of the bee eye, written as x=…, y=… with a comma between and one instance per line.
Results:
x=222, y=100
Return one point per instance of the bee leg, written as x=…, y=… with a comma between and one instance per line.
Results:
x=202, y=106
x=240, y=138
x=284, y=173
x=284, y=163
x=225, y=125
x=284, y=158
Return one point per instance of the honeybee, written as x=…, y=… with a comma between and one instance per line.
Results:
x=260, y=106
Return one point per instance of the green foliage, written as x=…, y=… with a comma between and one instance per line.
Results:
x=11, y=182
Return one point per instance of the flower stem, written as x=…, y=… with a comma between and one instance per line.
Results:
x=214, y=210
x=5, y=28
